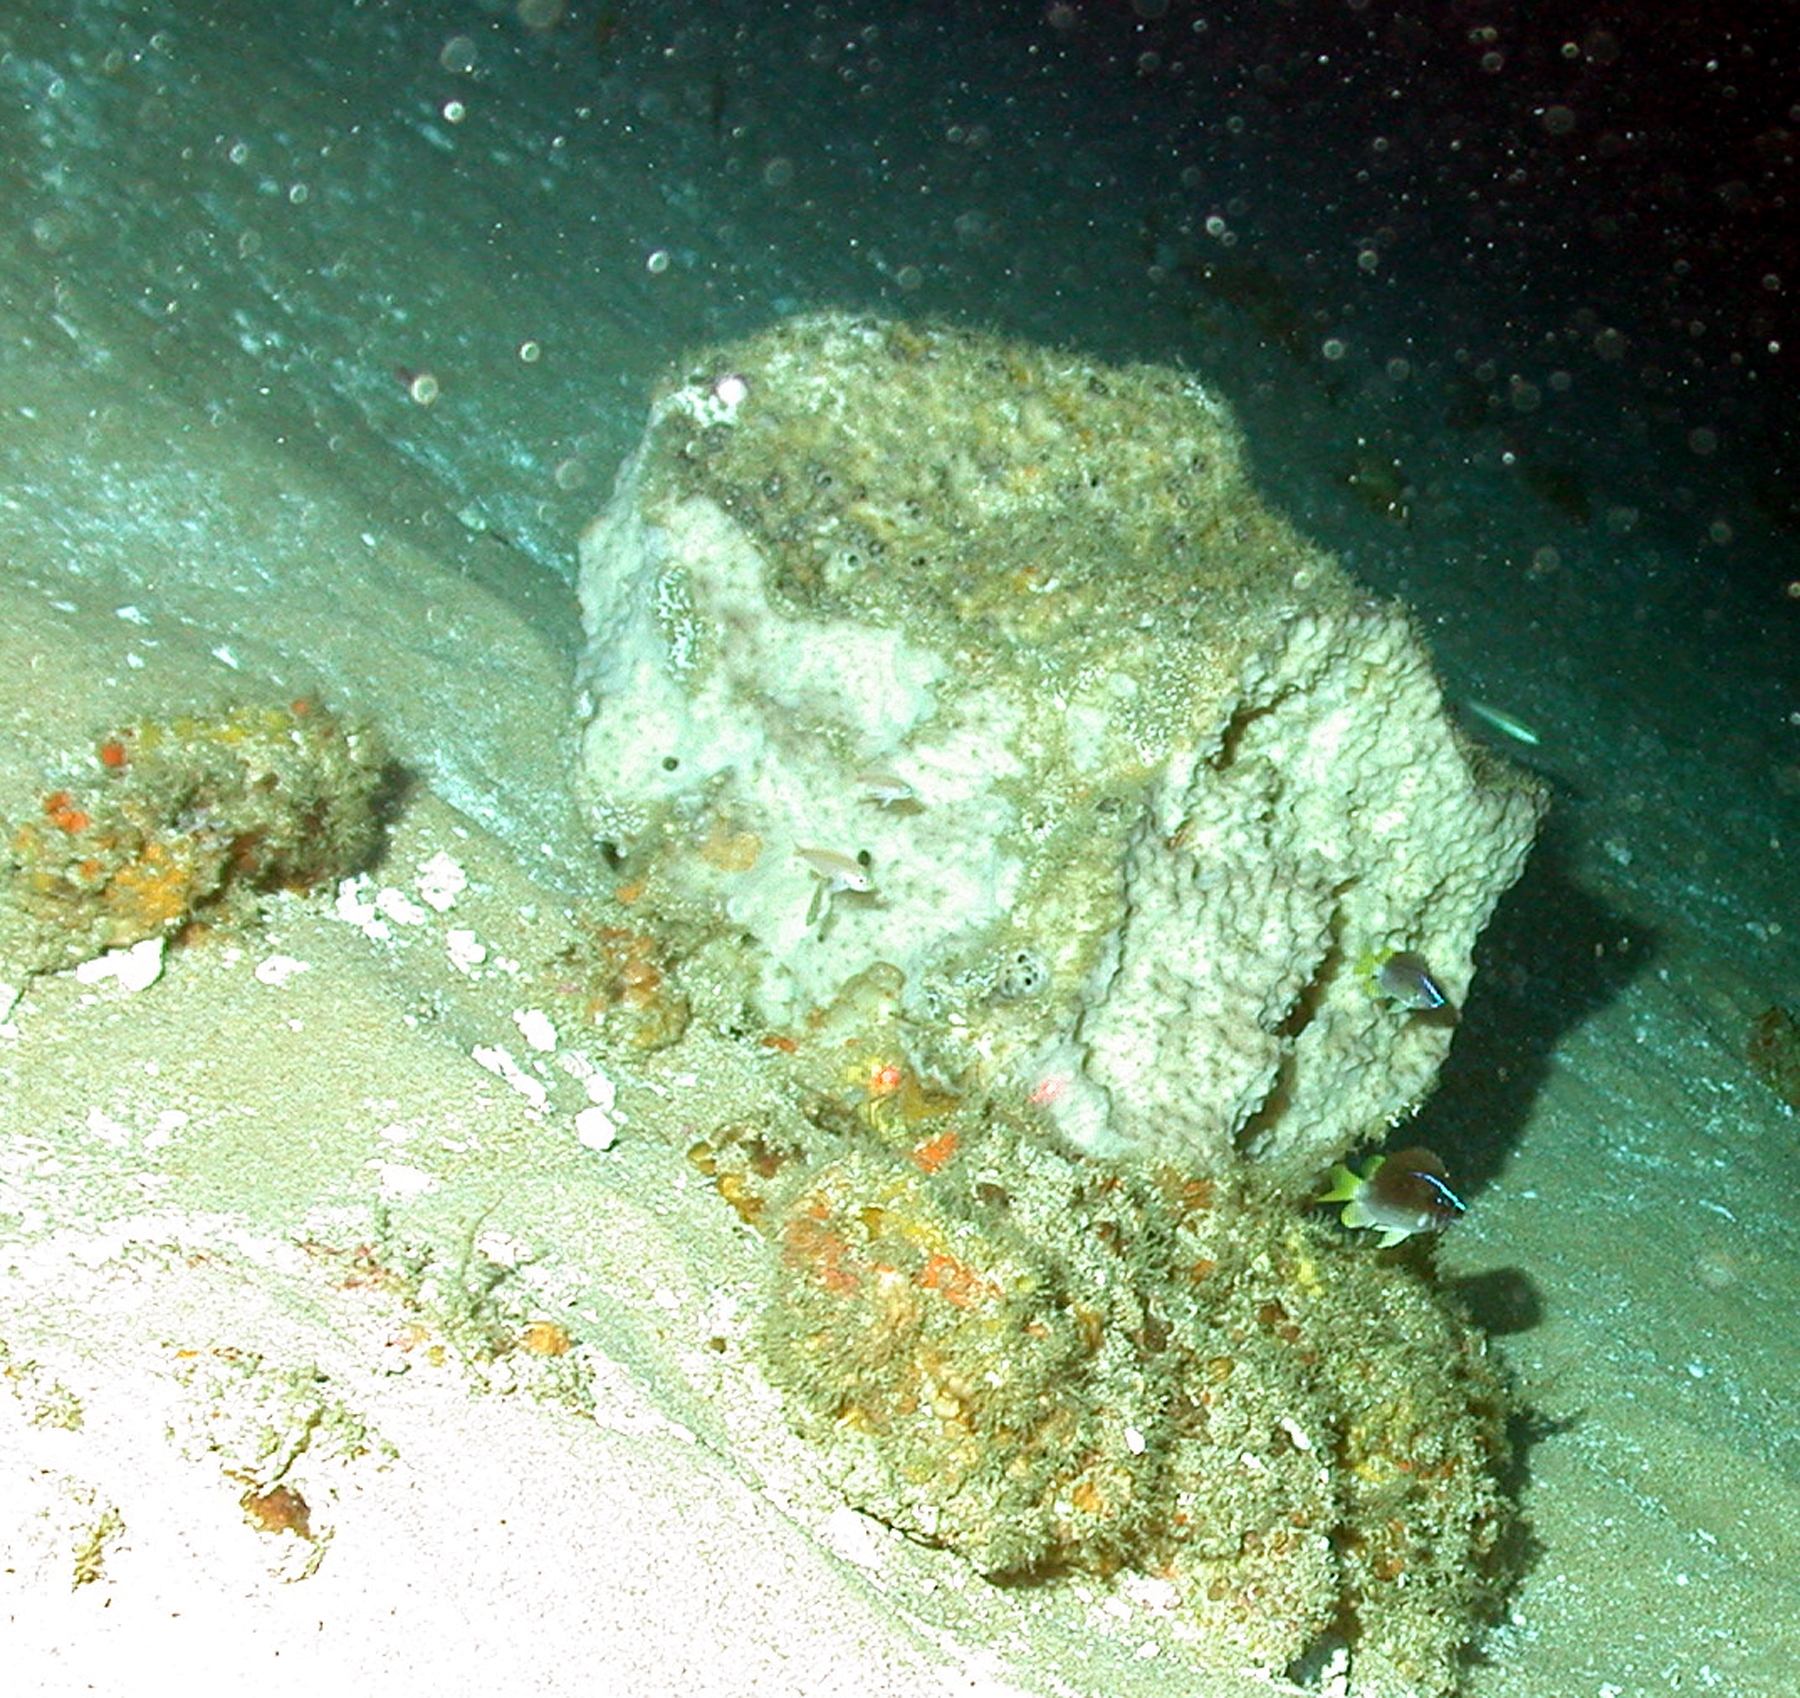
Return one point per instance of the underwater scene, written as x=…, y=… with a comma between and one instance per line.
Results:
x=870, y=848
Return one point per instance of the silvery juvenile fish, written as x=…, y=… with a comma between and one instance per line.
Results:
x=886, y=789
x=835, y=873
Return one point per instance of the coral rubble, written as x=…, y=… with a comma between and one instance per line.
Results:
x=1772, y=1047
x=1055, y=1364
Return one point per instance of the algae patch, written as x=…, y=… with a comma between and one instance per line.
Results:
x=1059, y=1366
x=163, y=823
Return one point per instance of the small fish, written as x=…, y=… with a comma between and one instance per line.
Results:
x=1508, y=725
x=835, y=873
x=1406, y=978
x=840, y=872
x=1398, y=1195
x=886, y=789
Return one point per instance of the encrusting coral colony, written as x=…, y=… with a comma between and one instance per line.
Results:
x=162, y=824
x=1042, y=808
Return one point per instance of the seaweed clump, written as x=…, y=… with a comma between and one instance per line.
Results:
x=1056, y=1365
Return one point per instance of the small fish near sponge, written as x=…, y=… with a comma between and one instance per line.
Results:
x=1399, y=1196
x=164, y=822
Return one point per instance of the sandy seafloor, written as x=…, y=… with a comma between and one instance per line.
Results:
x=233, y=241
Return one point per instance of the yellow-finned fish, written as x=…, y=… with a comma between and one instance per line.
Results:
x=1397, y=1196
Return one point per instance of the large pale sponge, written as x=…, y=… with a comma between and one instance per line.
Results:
x=915, y=645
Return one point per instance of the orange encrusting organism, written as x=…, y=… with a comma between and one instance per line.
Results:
x=176, y=818
x=61, y=811
x=937, y=1152
x=958, y=1283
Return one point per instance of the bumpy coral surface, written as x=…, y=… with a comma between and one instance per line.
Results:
x=1056, y=1365
x=166, y=822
